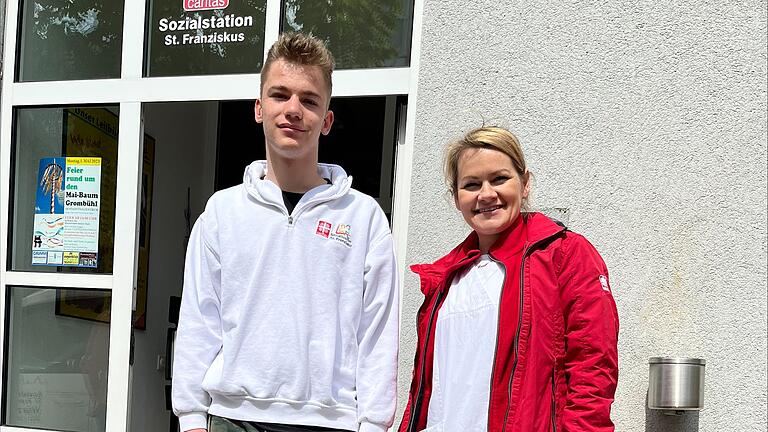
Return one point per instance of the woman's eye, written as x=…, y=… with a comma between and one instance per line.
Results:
x=500, y=180
x=471, y=186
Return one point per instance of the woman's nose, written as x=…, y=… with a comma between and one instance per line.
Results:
x=486, y=192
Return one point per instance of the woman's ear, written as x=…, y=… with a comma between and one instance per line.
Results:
x=526, y=184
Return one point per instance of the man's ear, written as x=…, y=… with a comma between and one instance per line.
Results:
x=257, y=114
x=327, y=122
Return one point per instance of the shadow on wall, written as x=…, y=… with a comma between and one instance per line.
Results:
x=657, y=421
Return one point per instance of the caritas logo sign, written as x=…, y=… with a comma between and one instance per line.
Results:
x=197, y=5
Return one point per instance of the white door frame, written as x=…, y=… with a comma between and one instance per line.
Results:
x=130, y=91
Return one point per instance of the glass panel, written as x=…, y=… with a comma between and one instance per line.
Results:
x=57, y=359
x=354, y=117
x=65, y=169
x=70, y=39
x=205, y=37
x=360, y=33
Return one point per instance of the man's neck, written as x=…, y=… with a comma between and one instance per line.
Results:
x=293, y=175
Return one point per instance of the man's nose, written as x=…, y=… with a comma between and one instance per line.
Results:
x=293, y=107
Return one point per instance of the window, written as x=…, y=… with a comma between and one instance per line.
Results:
x=64, y=189
x=188, y=37
x=68, y=40
x=57, y=359
x=360, y=33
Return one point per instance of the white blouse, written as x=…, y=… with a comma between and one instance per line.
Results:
x=465, y=345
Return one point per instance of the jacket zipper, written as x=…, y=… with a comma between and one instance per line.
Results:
x=519, y=327
x=420, y=388
x=554, y=405
x=498, y=324
x=292, y=216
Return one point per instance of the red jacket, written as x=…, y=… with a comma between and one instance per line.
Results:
x=556, y=362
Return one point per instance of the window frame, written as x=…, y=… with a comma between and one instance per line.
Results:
x=130, y=91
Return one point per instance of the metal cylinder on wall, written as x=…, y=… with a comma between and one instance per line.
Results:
x=676, y=384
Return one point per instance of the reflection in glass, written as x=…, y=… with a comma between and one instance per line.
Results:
x=359, y=33
x=369, y=164
x=188, y=38
x=67, y=39
x=57, y=359
x=43, y=138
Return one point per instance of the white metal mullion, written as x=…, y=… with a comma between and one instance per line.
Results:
x=59, y=280
x=132, y=52
x=17, y=429
x=6, y=118
x=387, y=148
x=12, y=9
x=124, y=267
x=354, y=82
x=272, y=24
x=404, y=162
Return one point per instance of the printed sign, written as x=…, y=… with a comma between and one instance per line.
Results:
x=196, y=5
x=196, y=29
x=67, y=206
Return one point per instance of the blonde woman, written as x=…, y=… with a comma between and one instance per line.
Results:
x=518, y=327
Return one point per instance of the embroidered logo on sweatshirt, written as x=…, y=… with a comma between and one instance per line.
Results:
x=342, y=234
x=604, y=283
x=323, y=228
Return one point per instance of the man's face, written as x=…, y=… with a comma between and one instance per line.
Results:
x=294, y=110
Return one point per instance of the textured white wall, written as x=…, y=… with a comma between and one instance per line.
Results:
x=647, y=120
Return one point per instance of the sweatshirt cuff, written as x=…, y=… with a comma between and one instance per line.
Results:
x=193, y=420
x=371, y=427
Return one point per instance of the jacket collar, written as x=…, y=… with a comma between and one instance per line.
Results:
x=536, y=227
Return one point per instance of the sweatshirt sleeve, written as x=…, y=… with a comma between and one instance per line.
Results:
x=591, y=332
x=378, y=338
x=198, y=338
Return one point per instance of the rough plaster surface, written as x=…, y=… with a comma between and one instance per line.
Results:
x=647, y=120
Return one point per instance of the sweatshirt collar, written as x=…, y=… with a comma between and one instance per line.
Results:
x=269, y=193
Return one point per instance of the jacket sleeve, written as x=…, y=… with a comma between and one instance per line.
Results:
x=377, y=338
x=198, y=338
x=591, y=332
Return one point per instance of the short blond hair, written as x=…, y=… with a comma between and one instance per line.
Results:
x=300, y=49
x=489, y=137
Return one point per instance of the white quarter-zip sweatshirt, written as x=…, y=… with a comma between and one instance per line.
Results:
x=289, y=318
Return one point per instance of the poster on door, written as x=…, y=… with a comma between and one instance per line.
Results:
x=67, y=206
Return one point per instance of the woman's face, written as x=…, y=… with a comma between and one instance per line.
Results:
x=489, y=192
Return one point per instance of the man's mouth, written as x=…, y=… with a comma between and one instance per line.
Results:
x=291, y=127
x=489, y=209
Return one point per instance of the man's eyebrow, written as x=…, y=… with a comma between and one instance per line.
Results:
x=286, y=89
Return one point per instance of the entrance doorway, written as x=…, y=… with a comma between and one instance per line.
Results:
x=199, y=148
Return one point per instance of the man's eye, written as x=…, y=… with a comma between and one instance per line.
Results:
x=310, y=102
x=279, y=96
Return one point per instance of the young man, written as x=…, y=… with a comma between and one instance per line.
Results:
x=289, y=316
